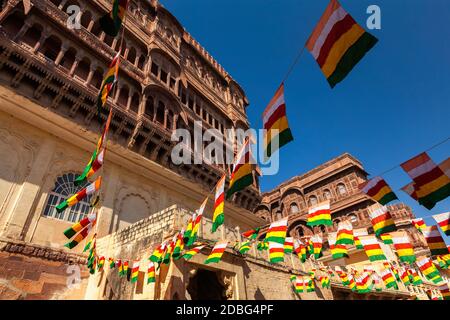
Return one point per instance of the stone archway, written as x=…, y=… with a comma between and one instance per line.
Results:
x=206, y=285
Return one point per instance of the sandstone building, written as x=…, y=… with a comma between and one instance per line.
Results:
x=50, y=75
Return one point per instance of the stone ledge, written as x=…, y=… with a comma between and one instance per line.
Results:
x=34, y=250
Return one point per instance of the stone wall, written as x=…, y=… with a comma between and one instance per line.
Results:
x=34, y=272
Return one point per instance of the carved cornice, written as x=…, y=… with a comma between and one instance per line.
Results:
x=37, y=251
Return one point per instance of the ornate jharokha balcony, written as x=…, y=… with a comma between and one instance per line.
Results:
x=61, y=69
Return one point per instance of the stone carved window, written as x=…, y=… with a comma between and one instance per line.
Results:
x=353, y=219
x=327, y=194
x=341, y=189
x=294, y=208
x=64, y=188
x=313, y=201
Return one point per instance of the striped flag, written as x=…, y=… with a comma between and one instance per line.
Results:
x=300, y=249
x=443, y=221
x=242, y=175
x=431, y=184
x=317, y=243
x=244, y=247
x=356, y=234
x=80, y=195
x=96, y=161
x=429, y=270
x=151, y=278
x=410, y=190
x=419, y=224
x=80, y=236
x=445, y=291
x=112, y=263
x=217, y=252
x=112, y=22
x=320, y=214
x=277, y=231
x=345, y=233
x=219, y=202
x=338, y=251
x=435, y=241
x=388, y=278
x=382, y=221
x=135, y=272
x=276, y=252
x=192, y=252
x=251, y=234
x=372, y=248
x=109, y=80
x=338, y=43
x=275, y=124
x=196, y=220
x=403, y=247
x=387, y=238
x=378, y=190
x=179, y=246
x=77, y=227
x=289, y=245
x=158, y=253
x=101, y=263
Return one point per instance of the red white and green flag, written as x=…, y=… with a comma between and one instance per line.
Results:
x=196, y=221
x=251, y=234
x=80, y=195
x=403, y=247
x=435, y=242
x=382, y=221
x=277, y=231
x=192, y=252
x=135, y=272
x=443, y=221
x=219, y=203
x=345, y=233
x=378, y=190
x=216, y=254
x=151, y=278
x=320, y=215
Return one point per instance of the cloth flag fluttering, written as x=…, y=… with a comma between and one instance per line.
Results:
x=217, y=252
x=277, y=231
x=372, y=248
x=289, y=245
x=387, y=238
x=388, y=278
x=429, y=270
x=80, y=236
x=382, y=221
x=109, y=80
x=219, y=203
x=196, y=220
x=358, y=233
x=192, y=252
x=445, y=291
x=443, y=221
x=419, y=224
x=317, y=243
x=251, y=234
x=300, y=249
x=320, y=214
x=338, y=251
x=403, y=247
x=96, y=161
x=276, y=252
x=80, y=195
x=135, y=272
x=158, y=253
x=151, y=278
x=431, y=184
x=80, y=225
x=244, y=247
x=435, y=242
x=242, y=175
x=112, y=21
x=275, y=124
x=345, y=233
x=338, y=43
x=378, y=190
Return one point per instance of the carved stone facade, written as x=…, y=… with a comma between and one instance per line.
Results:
x=50, y=75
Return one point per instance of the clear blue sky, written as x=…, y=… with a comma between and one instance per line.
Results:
x=392, y=106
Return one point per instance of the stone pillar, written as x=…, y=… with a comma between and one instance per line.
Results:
x=92, y=69
x=61, y=54
x=15, y=227
x=106, y=213
x=22, y=30
x=91, y=25
x=75, y=64
x=130, y=97
x=40, y=41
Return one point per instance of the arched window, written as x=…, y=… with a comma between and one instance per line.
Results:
x=64, y=188
x=278, y=216
x=341, y=189
x=294, y=208
x=353, y=218
x=327, y=194
x=312, y=200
